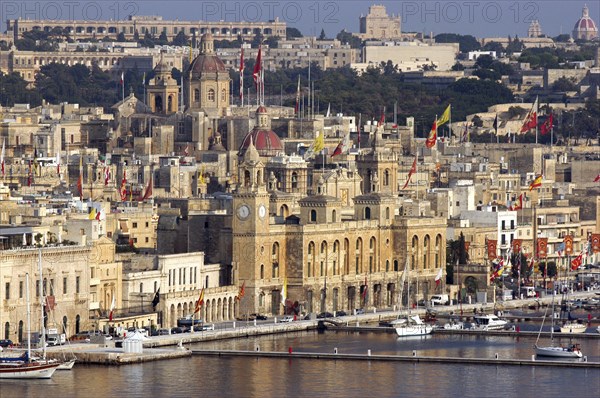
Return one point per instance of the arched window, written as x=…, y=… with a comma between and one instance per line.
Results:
x=396, y=265
x=426, y=253
x=262, y=271
x=367, y=213
x=170, y=104
x=20, y=333
x=294, y=180
x=414, y=252
x=313, y=215
x=333, y=216
x=438, y=247
x=311, y=259
x=387, y=213
x=196, y=95
x=7, y=331
x=386, y=177
x=211, y=95
x=141, y=288
x=223, y=95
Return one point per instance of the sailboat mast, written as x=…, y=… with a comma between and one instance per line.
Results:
x=28, y=318
x=42, y=327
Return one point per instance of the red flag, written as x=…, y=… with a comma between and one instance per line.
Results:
x=106, y=175
x=492, y=245
x=519, y=204
x=438, y=277
x=80, y=186
x=547, y=125
x=112, y=309
x=242, y=291
x=597, y=178
x=432, y=138
x=530, y=121
x=542, y=247
x=186, y=151
x=297, y=105
x=122, y=78
x=2, y=156
x=365, y=291
x=536, y=183
x=576, y=262
x=412, y=171
x=256, y=73
x=148, y=191
x=123, y=188
x=200, y=302
x=343, y=146
x=242, y=75
x=99, y=215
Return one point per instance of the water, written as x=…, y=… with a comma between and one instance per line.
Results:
x=285, y=377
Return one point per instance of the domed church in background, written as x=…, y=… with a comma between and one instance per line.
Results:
x=208, y=81
x=585, y=28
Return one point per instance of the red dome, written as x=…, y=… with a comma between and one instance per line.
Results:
x=585, y=28
x=207, y=63
x=267, y=143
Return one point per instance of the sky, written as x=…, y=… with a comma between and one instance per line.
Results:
x=498, y=18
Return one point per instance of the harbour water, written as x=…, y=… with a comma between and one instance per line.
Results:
x=294, y=377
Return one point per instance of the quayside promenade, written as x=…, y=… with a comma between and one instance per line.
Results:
x=174, y=345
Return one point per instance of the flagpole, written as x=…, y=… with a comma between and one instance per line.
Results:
x=450, y=124
x=536, y=115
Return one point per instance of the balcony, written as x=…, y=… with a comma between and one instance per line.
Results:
x=94, y=305
x=94, y=281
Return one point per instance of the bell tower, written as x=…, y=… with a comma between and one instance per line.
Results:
x=163, y=90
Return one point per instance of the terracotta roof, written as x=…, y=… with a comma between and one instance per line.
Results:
x=267, y=143
x=204, y=63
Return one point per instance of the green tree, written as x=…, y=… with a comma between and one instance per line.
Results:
x=346, y=37
x=163, y=39
x=493, y=46
x=484, y=61
x=322, y=36
x=564, y=84
x=180, y=39
x=121, y=37
x=257, y=40
x=466, y=42
x=563, y=38
x=291, y=33
x=272, y=41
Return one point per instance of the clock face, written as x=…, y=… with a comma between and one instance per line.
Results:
x=243, y=212
x=262, y=211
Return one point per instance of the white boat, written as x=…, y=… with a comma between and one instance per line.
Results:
x=413, y=326
x=488, y=322
x=454, y=325
x=571, y=351
x=68, y=365
x=573, y=327
x=24, y=367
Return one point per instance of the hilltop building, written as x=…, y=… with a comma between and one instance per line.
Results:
x=585, y=27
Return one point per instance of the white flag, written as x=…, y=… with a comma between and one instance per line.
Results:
x=284, y=291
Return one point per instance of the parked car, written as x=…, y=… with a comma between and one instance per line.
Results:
x=6, y=343
x=340, y=313
x=359, y=311
x=287, y=318
x=258, y=317
x=325, y=315
x=176, y=330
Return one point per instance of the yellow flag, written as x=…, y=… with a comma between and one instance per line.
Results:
x=93, y=214
x=319, y=143
x=445, y=118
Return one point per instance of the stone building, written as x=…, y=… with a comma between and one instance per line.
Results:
x=377, y=24
x=65, y=283
x=142, y=24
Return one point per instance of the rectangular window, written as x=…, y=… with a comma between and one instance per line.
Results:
x=37, y=288
x=147, y=239
x=65, y=285
x=169, y=277
x=52, y=287
x=20, y=289
x=77, y=284
x=134, y=225
x=7, y=291
x=147, y=224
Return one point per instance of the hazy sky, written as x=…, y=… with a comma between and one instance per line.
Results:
x=478, y=18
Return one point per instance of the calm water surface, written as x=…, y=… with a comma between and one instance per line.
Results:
x=267, y=377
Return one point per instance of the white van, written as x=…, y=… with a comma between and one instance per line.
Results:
x=440, y=299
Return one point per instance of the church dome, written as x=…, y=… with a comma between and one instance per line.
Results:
x=585, y=28
x=207, y=61
x=267, y=143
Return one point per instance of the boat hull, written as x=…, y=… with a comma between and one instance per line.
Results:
x=573, y=328
x=557, y=352
x=27, y=371
x=413, y=330
x=67, y=365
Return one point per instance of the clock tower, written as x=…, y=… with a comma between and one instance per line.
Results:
x=249, y=226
